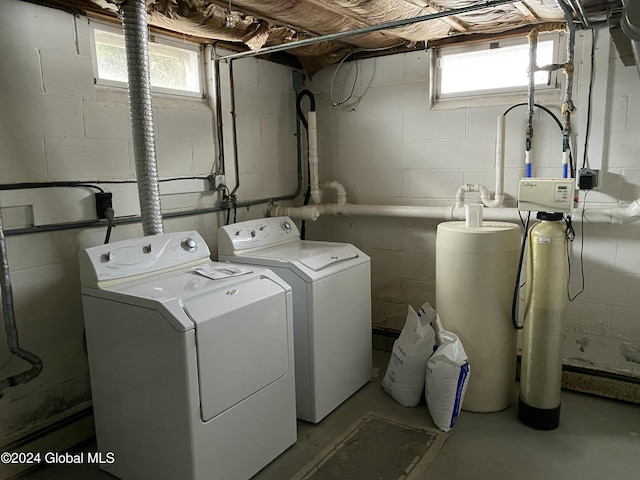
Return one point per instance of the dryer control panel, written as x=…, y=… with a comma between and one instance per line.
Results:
x=141, y=256
x=264, y=232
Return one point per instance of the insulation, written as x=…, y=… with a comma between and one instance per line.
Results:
x=261, y=23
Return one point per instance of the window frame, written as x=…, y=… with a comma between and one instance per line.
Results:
x=498, y=96
x=153, y=38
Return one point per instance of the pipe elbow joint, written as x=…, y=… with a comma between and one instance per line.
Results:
x=316, y=195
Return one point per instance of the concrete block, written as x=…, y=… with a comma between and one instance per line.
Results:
x=419, y=240
x=174, y=158
x=630, y=189
x=106, y=120
x=56, y=286
x=482, y=121
x=71, y=159
x=623, y=149
x=416, y=66
x=41, y=116
x=32, y=26
x=386, y=289
x=67, y=75
x=627, y=258
x=388, y=314
x=587, y=318
x=362, y=127
x=403, y=265
x=28, y=251
x=376, y=183
x=416, y=292
x=623, y=80
x=618, y=112
x=624, y=323
x=207, y=224
x=612, y=288
x=18, y=216
x=204, y=157
x=195, y=125
x=378, y=71
x=431, y=183
x=274, y=76
x=459, y=154
x=422, y=124
x=245, y=71
x=179, y=224
x=633, y=119
x=41, y=328
x=379, y=233
x=20, y=70
x=22, y=160
x=83, y=36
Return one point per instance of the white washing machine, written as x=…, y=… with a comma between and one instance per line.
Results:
x=192, y=378
x=331, y=307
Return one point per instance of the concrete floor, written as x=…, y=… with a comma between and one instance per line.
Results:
x=597, y=439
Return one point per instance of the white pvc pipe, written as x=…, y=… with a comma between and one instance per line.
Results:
x=623, y=214
x=340, y=191
x=316, y=191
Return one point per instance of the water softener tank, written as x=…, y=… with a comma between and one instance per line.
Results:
x=476, y=269
x=545, y=301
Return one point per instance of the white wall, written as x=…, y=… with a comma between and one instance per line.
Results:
x=394, y=150
x=56, y=125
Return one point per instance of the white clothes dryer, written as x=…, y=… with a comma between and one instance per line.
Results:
x=192, y=378
x=331, y=307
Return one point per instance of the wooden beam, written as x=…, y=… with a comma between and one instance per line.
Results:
x=524, y=9
x=451, y=21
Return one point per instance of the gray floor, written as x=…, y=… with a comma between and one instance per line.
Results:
x=597, y=439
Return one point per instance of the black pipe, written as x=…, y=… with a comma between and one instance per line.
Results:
x=302, y=118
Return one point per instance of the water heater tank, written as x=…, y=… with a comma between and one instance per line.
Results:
x=475, y=276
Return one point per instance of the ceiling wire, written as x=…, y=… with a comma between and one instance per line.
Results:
x=355, y=79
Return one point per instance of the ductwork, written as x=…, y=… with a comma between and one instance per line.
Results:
x=630, y=23
x=144, y=148
x=10, y=323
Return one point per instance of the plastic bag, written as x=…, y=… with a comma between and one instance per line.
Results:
x=404, y=378
x=446, y=379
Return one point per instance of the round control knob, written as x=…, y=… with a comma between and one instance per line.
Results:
x=189, y=244
x=286, y=226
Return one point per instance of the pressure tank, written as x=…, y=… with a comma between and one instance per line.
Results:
x=545, y=301
x=476, y=269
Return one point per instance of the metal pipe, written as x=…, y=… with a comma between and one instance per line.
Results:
x=218, y=112
x=577, y=7
x=10, y=323
x=234, y=130
x=373, y=28
x=571, y=39
x=139, y=75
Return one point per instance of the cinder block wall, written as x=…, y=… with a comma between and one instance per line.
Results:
x=55, y=124
x=392, y=149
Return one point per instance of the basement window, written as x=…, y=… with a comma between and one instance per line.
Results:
x=496, y=71
x=175, y=66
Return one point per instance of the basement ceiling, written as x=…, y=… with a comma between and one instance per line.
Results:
x=254, y=25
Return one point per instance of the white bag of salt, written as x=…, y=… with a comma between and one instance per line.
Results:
x=404, y=378
x=446, y=379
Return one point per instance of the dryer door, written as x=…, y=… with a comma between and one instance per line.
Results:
x=241, y=336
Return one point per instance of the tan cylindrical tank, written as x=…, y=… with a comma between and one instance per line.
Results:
x=476, y=271
x=545, y=301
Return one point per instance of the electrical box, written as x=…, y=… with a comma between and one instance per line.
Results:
x=553, y=195
x=588, y=179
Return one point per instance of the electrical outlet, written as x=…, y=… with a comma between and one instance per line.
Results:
x=219, y=182
x=103, y=201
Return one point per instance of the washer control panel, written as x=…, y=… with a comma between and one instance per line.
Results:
x=261, y=233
